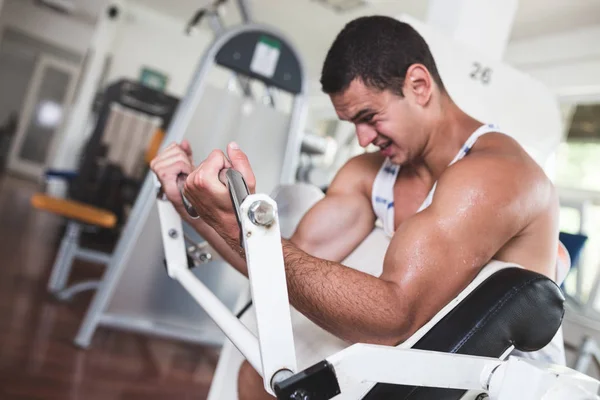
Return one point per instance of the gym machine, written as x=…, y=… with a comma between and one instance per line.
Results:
x=462, y=353
x=130, y=123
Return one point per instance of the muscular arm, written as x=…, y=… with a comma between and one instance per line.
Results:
x=331, y=229
x=339, y=222
x=431, y=258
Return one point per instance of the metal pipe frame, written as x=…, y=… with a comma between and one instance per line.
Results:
x=272, y=354
x=500, y=380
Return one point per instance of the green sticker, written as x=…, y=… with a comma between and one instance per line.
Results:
x=270, y=42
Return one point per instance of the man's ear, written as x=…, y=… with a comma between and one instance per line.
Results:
x=418, y=84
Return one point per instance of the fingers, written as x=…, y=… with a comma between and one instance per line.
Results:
x=172, y=152
x=205, y=179
x=240, y=162
x=215, y=162
x=166, y=153
x=172, y=164
x=175, y=148
x=185, y=146
x=206, y=175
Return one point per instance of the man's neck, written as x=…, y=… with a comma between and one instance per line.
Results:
x=451, y=132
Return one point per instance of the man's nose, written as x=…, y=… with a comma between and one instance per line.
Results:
x=365, y=134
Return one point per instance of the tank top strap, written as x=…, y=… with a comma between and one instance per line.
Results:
x=470, y=142
x=382, y=195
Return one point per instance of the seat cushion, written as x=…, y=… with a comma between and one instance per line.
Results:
x=75, y=210
x=513, y=307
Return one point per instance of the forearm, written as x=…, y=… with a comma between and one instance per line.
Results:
x=348, y=303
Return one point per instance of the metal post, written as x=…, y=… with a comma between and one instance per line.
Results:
x=64, y=260
x=108, y=283
x=245, y=11
x=216, y=25
x=266, y=270
x=76, y=121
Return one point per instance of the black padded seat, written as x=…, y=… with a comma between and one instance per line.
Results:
x=513, y=306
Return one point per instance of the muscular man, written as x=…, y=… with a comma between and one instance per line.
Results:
x=452, y=192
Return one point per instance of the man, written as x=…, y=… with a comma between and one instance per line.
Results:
x=452, y=193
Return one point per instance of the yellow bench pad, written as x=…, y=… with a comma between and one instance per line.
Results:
x=74, y=210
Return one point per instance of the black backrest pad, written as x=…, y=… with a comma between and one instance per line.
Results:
x=514, y=306
x=238, y=53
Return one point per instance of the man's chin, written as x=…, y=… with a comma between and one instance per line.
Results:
x=398, y=159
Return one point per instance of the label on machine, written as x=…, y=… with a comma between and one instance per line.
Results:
x=265, y=57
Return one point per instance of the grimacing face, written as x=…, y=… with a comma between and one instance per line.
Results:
x=381, y=118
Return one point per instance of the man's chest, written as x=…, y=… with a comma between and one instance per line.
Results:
x=409, y=194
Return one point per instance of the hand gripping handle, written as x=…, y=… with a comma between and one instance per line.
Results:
x=186, y=204
x=232, y=179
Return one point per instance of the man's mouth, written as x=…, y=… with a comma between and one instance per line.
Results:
x=385, y=145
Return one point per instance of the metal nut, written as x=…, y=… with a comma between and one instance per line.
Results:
x=300, y=394
x=205, y=257
x=261, y=213
x=281, y=376
x=173, y=233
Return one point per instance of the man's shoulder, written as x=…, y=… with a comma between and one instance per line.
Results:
x=502, y=155
x=500, y=170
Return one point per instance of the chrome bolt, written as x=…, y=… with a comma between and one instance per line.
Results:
x=261, y=213
x=172, y=233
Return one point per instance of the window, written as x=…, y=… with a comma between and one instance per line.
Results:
x=578, y=181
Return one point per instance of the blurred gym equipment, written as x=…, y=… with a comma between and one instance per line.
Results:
x=115, y=160
x=135, y=294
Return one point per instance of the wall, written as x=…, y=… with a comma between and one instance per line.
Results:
x=147, y=39
x=566, y=62
x=57, y=29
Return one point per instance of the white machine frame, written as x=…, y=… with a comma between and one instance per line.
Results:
x=272, y=353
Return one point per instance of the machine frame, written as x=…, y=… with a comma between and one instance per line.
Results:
x=272, y=352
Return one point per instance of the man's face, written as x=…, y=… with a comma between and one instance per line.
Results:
x=382, y=118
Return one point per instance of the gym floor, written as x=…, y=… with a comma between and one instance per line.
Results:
x=38, y=359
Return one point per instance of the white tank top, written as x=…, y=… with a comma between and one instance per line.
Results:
x=382, y=196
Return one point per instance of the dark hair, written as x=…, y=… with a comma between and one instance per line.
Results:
x=378, y=50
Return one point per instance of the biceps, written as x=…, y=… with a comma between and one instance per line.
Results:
x=434, y=245
x=430, y=265
x=335, y=226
